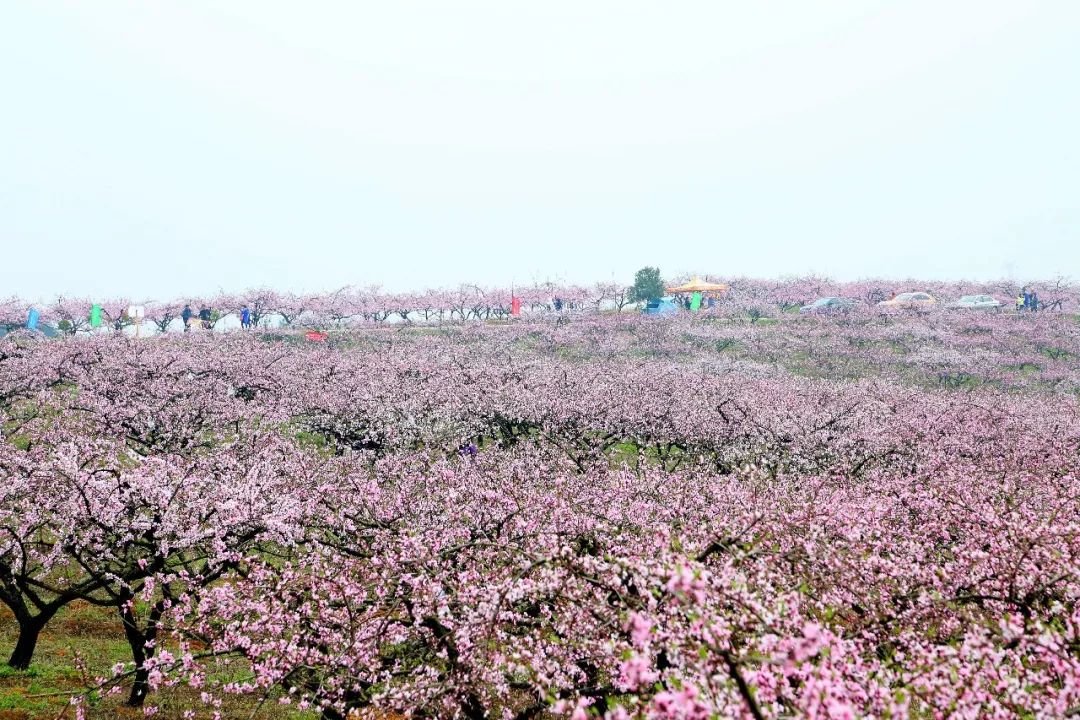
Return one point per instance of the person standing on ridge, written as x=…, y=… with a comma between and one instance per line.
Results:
x=186, y=317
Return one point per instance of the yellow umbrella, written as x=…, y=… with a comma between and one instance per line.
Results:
x=697, y=285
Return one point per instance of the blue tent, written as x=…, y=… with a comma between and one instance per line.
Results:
x=660, y=306
x=47, y=330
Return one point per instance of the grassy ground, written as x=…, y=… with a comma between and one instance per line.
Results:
x=96, y=636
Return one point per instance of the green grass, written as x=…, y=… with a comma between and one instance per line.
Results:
x=95, y=636
x=1055, y=353
x=1025, y=368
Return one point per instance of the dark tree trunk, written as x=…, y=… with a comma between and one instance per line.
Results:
x=29, y=631
x=140, y=653
x=139, y=689
x=137, y=642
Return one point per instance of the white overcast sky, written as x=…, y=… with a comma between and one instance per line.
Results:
x=154, y=149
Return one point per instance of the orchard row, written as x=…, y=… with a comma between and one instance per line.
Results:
x=349, y=306
x=608, y=517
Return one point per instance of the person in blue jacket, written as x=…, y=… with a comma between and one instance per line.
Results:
x=186, y=317
x=245, y=317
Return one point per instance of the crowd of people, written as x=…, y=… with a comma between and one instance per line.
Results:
x=686, y=301
x=261, y=307
x=1027, y=301
x=205, y=318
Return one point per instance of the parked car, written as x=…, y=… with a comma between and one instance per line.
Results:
x=660, y=306
x=910, y=299
x=976, y=302
x=830, y=304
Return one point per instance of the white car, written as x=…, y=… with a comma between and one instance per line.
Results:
x=976, y=302
x=829, y=305
x=909, y=299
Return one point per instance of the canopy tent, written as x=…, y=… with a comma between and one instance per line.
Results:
x=697, y=285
